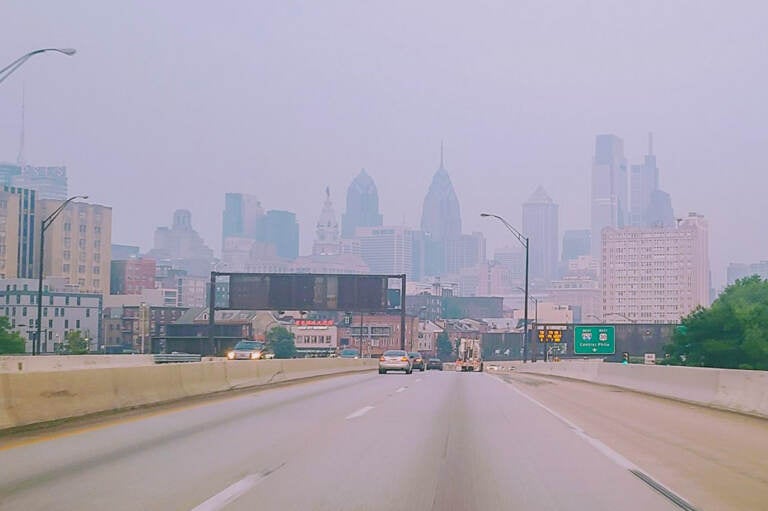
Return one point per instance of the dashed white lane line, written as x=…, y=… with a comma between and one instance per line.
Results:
x=359, y=413
x=230, y=493
x=401, y=389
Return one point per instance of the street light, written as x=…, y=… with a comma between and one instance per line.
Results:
x=601, y=320
x=43, y=226
x=535, y=314
x=523, y=241
x=13, y=66
x=619, y=314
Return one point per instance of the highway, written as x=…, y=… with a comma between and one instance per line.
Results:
x=430, y=440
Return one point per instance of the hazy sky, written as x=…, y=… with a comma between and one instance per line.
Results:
x=171, y=104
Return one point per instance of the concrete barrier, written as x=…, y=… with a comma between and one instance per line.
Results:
x=25, y=363
x=30, y=397
x=728, y=389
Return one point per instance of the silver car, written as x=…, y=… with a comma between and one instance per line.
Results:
x=395, y=360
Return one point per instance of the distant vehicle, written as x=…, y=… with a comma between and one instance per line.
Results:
x=417, y=361
x=350, y=353
x=470, y=355
x=435, y=363
x=249, y=350
x=395, y=360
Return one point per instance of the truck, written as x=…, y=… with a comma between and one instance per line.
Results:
x=470, y=355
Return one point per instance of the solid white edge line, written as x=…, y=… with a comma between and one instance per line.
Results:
x=401, y=389
x=229, y=494
x=359, y=413
x=597, y=444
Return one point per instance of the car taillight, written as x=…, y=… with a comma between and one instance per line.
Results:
x=404, y=359
x=382, y=359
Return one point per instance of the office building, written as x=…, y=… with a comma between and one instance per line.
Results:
x=576, y=243
x=386, y=250
x=440, y=222
x=241, y=217
x=279, y=228
x=540, y=226
x=63, y=309
x=609, y=206
x=362, y=206
x=182, y=246
x=78, y=244
x=650, y=207
x=737, y=271
x=132, y=276
x=655, y=275
x=48, y=182
x=26, y=238
x=10, y=216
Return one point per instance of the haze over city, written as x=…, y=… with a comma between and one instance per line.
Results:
x=170, y=105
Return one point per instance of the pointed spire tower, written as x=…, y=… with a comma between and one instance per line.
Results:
x=441, y=214
x=327, y=241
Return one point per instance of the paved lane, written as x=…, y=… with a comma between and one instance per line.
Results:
x=442, y=441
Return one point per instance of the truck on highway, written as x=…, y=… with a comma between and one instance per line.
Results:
x=470, y=355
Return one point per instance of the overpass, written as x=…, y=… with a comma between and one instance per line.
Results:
x=515, y=438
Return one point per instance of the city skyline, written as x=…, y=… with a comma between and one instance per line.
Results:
x=166, y=125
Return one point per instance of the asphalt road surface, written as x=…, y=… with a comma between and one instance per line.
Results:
x=426, y=441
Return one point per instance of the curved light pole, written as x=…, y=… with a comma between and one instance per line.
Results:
x=524, y=242
x=16, y=64
x=43, y=226
x=619, y=314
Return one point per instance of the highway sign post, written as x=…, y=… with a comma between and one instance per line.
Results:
x=594, y=340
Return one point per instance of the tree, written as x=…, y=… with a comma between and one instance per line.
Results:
x=10, y=342
x=732, y=333
x=444, y=347
x=75, y=343
x=281, y=340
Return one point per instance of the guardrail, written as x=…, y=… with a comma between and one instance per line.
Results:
x=172, y=358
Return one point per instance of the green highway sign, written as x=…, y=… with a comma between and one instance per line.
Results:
x=594, y=340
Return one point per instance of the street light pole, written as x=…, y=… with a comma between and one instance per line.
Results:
x=535, y=316
x=16, y=64
x=43, y=226
x=523, y=241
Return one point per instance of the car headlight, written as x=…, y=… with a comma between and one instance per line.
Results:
x=231, y=355
x=255, y=355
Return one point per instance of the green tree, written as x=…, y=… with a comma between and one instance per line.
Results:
x=281, y=340
x=732, y=333
x=444, y=347
x=10, y=342
x=75, y=343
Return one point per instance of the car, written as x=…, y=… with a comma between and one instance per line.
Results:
x=395, y=360
x=349, y=353
x=249, y=350
x=417, y=361
x=435, y=363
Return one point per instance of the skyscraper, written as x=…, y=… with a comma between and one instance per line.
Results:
x=362, y=206
x=181, y=245
x=440, y=221
x=609, y=187
x=387, y=250
x=540, y=225
x=280, y=229
x=649, y=207
x=242, y=213
x=327, y=240
x=576, y=243
x=654, y=275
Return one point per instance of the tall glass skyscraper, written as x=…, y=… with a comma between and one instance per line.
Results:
x=362, y=206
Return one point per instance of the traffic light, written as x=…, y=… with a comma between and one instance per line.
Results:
x=625, y=358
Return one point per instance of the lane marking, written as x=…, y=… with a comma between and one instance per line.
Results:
x=418, y=380
x=230, y=493
x=359, y=413
x=401, y=389
x=609, y=453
